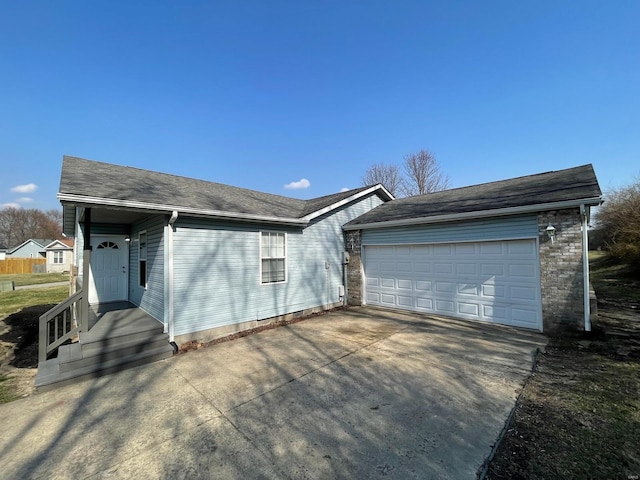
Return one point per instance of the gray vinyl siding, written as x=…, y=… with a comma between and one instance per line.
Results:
x=150, y=299
x=524, y=226
x=217, y=269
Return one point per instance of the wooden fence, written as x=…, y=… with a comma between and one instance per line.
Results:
x=22, y=265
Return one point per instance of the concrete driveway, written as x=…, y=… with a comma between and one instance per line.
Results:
x=361, y=393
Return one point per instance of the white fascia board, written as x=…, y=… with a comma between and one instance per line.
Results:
x=56, y=242
x=86, y=201
x=477, y=215
x=351, y=198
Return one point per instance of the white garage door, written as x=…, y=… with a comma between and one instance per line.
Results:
x=495, y=282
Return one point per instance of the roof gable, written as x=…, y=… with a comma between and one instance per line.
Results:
x=38, y=242
x=540, y=191
x=59, y=244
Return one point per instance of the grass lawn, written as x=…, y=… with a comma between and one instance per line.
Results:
x=20, y=280
x=12, y=302
x=613, y=281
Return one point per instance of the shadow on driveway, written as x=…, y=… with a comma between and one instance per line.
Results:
x=357, y=393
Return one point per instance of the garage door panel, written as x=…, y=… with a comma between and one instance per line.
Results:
x=445, y=306
x=491, y=248
x=468, y=289
x=445, y=287
x=487, y=269
x=520, y=247
x=374, y=298
x=494, y=313
x=405, y=301
x=465, y=249
x=442, y=249
x=387, y=267
x=471, y=309
x=424, y=303
x=493, y=291
x=446, y=268
x=520, y=270
x=422, y=267
x=387, y=299
x=494, y=281
x=521, y=317
x=404, y=267
x=421, y=250
x=466, y=268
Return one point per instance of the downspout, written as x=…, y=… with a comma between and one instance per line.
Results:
x=170, y=317
x=585, y=269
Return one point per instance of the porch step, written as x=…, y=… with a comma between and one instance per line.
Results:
x=77, y=355
x=49, y=374
x=121, y=336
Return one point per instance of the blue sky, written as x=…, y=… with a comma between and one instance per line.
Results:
x=260, y=94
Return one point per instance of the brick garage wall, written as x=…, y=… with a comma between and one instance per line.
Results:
x=353, y=246
x=561, y=273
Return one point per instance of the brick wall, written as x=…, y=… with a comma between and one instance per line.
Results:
x=561, y=273
x=353, y=246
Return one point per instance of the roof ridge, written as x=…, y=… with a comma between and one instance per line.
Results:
x=513, y=179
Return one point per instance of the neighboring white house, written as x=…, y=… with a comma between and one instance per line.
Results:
x=59, y=255
x=3, y=252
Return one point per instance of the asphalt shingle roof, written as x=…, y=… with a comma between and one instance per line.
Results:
x=107, y=181
x=543, y=188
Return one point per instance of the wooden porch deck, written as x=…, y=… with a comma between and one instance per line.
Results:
x=120, y=336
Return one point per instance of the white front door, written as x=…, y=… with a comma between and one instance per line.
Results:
x=109, y=267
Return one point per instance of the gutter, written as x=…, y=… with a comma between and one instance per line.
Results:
x=83, y=200
x=585, y=268
x=452, y=217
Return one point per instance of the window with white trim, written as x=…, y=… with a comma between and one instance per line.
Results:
x=273, y=256
x=142, y=259
x=58, y=257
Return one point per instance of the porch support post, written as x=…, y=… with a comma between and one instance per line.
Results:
x=86, y=258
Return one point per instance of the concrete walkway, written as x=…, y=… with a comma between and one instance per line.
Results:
x=360, y=393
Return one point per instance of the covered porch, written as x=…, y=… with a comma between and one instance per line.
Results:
x=119, y=335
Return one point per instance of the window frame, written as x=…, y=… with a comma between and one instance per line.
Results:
x=264, y=257
x=58, y=257
x=142, y=262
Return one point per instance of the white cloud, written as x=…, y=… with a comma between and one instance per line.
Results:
x=344, y=189
x=10, y=205
x=24, y=200
x=28, y=188
x=302, y=183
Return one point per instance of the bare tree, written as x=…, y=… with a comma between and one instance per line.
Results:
x=388, y=175
x=423, y=174
x=618, y=221
x=18, y=225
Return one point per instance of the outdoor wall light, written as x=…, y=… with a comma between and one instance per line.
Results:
x=551, y=231
x=127, y=238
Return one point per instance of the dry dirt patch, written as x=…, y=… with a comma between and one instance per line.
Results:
x=579, y=414
x=19, y=349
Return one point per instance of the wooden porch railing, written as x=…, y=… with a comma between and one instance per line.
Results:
x=60, y=324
